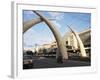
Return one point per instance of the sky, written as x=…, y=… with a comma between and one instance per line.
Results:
x=41, y=34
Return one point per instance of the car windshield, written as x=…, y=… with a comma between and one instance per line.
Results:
x=27, y=57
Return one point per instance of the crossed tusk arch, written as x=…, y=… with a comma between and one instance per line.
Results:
x=61, y=47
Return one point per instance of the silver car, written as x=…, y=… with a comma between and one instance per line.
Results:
x=27, y=61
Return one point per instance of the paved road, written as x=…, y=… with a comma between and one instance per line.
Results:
x=42, y=62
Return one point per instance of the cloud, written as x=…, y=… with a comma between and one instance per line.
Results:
x=57, y=24
x=56, y=15
x=28, y=15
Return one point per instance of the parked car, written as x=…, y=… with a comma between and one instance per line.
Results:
x=27, y=61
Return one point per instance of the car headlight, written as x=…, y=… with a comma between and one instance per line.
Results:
x=30, y=61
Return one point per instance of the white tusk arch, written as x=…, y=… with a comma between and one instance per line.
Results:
x=80, y=43
x=56, y=33
x=27, y=25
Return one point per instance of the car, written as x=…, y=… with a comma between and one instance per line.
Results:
x=27, y=61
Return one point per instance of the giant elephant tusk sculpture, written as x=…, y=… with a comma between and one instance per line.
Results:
x=80, y=43
x=27, y=25
x=60, y=43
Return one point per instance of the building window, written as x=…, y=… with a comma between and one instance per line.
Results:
x=66, y=42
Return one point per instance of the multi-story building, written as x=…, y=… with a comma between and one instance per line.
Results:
x=71, y=41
